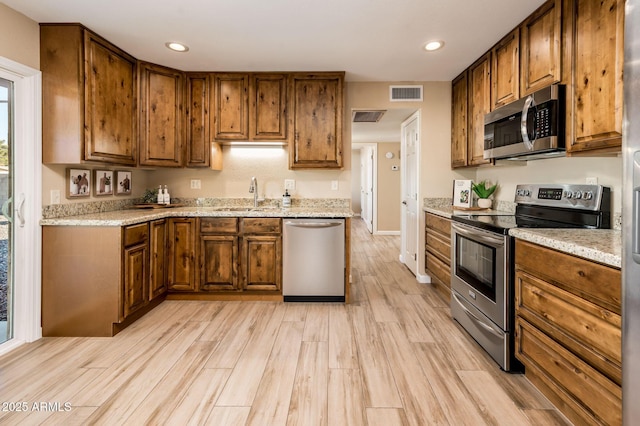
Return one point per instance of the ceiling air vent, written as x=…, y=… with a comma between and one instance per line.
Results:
x=367, y=116
x=405, y=93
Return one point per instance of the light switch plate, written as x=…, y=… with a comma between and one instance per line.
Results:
x=334, y=185
x=196, y=183
x=55, y=196
x=592, y=181
x=289, y=184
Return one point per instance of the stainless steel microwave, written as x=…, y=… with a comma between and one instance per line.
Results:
x=529, y=128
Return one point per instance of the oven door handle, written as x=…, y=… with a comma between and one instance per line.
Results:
x=477, y=236
x=471, y=314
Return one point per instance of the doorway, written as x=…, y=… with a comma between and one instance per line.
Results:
x=6, y=194
x=367, y=184
x=410, y=152
x=21, y=200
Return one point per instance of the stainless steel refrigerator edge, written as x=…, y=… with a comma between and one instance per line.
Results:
x=631, y=218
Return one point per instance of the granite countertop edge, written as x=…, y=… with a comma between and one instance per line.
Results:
x=134, y=216
x=598, y=245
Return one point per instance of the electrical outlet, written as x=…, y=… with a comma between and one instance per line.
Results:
x=196, y=184
x=592, y=181
x=55, y=196
x=334, y=185
x=289, y=184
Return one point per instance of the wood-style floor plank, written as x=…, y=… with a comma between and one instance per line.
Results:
x=309, y=399
x=394, y=356
x=271, y=404
x=346, y=401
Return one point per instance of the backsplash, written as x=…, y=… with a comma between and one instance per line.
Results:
x=76, y=209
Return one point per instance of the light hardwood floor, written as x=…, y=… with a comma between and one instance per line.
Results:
x=392, y=357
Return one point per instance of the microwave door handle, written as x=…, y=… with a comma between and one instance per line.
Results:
x=524, y=127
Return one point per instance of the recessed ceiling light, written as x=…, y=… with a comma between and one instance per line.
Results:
x=433, y=45
x=177, y=47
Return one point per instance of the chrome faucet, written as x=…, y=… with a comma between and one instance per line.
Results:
x=253, y=189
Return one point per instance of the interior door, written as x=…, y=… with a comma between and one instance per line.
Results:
x=410, y=142
x=367, y=186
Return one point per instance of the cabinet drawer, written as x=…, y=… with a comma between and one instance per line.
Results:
x=135, y=234
x=438, y=268
x=440, y=224
x=595, y=282
x=439, y=247
x=219, y=225
x=590, y=397
x=261, y=225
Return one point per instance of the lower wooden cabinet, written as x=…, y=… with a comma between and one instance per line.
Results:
x=181, y=258
x=438, y=252
x=261, y=259
x=218, y=254
x=157, y=256
x=136, y=268
x=96, y=279
x=568, y=332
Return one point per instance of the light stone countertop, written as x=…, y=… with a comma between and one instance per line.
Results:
x=449, y=211
x=133, y=216
x=599, y=245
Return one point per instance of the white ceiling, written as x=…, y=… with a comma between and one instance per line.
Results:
x=372, y=40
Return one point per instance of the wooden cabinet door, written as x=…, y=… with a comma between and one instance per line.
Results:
x=261, y=262
x=161, y=116
x=316, y=121
x=459, y=121
x=181, y=256
x=598, y=66
x=479, y=105
x=198, y=128
x=135, y=278
x=541, y=41
x=268, y=107
x=231, y=107
x=505, y=70
x=110, y=103
x=157, y=256
x=218, y=263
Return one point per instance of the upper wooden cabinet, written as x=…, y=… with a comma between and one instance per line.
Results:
x=459, y=120
x=479, y=105
x=505, y=70
x=198, y=132
x=231, y=107
x=161, y=115
x=598, y=54
x=89, y=98
x=315, y=119
x=268, y=107
x=541, y=48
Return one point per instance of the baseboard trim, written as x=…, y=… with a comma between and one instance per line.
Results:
x=386, y=233
x=423, y=278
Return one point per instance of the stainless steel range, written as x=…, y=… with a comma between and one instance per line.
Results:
x=482, y=276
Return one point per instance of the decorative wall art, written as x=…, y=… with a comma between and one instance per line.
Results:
x=123, y=182
x=78, y=183
x=103, y=180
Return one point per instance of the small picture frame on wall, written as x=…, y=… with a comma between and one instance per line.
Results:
x=123, y=182
x=462, y=193
x=103, y=180
x=78, y=183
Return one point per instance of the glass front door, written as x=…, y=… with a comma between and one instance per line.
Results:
x=6, y=192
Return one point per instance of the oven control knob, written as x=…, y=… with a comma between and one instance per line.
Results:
x=526, y=192
x=568, y=194
x=588, y=195
x=577, y=195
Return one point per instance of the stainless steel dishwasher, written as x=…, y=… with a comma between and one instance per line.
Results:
x=313, y=260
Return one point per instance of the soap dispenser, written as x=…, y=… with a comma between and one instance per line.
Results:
x=167, y=197
x=286, y=199
x=160, y=198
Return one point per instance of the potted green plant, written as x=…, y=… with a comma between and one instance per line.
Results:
x=483, y=190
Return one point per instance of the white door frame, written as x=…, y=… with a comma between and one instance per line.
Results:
x=420, y=277
x=373, y=199
x=27, y=292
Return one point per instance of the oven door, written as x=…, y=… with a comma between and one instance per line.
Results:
x=479, y=270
